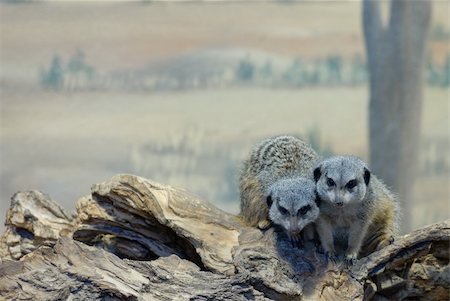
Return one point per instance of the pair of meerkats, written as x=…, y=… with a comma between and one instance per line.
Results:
x=284, y=182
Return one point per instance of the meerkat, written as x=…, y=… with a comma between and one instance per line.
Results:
x=357, y=211
x=271, y=160
x=292, y=206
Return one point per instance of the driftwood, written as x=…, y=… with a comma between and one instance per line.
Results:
x=134, y=239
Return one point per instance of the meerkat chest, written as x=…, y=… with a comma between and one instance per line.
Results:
x=340, y=217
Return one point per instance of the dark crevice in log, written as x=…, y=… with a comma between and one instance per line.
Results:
x=172, y=217
x=120, y=246
x=122, y=238
x=272, y=294
x=400, y=255
x=24, y=233
x=438, y=249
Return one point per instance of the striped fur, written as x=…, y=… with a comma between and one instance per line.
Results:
x=272, y=159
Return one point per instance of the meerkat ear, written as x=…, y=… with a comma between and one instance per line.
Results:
x=366, y=176
x=317, y=174
x=269, y=200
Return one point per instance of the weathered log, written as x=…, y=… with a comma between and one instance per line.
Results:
x=157, y=220
x=74, y=271
x=32, y=220
x=164, y=243
x=416, y=265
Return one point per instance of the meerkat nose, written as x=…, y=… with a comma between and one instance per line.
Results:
x=295, y=231
x=293, y=225
x=339, y=201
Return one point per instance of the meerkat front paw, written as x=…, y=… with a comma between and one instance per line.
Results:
x=295, y=240
x=391, y=240
x=351, y=258
x=264, y=224
x=332, y=257
x=309, y=244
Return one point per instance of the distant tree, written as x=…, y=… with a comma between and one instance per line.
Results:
x=438, y=75
x=90, y=74
x=245, y=70
x=396, y=57
x=334, y=68
x=75, y=68
x=358, y=71
x=266, y=72
x=432, y=73
x=76, y=62
x=53, y=77
x=314, y=138
x=311, y=73
x=446, y=72
x=293, y=75
x=79, y=73
x=439, y=33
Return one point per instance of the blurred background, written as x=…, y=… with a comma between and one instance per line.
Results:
x=179, y=92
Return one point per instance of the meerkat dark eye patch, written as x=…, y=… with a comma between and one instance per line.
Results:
x=303, y=210
x=269, y=201
x=317, y=174
x=366, y=176
x=283, y=210
x=330, y=182
x=351, y=184
x=317, y=200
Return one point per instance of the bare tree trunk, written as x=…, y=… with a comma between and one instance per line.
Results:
x=396, y=56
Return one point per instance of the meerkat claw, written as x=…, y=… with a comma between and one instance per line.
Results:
x=332, y=257
x=264, y=224
x=391, y=240
x=351, y=259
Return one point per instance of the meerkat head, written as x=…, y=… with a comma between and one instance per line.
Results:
x=342, y=180
x=292, y=204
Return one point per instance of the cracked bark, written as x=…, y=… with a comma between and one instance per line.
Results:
x=134, y=239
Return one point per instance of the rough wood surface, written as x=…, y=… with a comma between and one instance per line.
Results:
x=134, y=239
x=142, y=219
x=74, y=271
x=32, y=220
